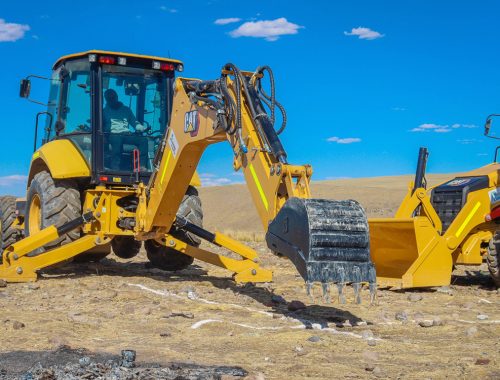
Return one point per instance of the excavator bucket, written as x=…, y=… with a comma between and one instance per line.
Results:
x=327, y=241
x=409, y=253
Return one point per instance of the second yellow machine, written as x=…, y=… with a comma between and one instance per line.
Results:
x=117, y=165
x=435, y=229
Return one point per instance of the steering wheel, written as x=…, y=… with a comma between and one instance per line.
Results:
x=146, y=132
x=149, y=129
x=155, y=134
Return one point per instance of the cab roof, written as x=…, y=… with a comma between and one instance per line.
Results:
x=113, y=53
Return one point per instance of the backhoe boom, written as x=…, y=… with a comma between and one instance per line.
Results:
x=326, y=240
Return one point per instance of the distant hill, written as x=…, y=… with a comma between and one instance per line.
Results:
x=230, y=208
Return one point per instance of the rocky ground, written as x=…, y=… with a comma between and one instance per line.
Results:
x=199, y=318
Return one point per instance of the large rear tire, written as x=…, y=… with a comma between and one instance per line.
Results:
x=167, y=258
x=493, y=258
x=52, y=202
x=8, y=233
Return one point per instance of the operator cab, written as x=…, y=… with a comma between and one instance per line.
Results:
x=114, y=107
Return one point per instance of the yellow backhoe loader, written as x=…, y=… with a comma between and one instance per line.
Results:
x=437, y=228
x=117, y=166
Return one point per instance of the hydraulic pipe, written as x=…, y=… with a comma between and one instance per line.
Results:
x=423, y=154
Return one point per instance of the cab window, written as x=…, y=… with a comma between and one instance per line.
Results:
x=74, y=121
x=133, y=116
x=53, y=104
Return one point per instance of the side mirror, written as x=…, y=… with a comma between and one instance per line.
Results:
x=25, y=88
x=487, y=127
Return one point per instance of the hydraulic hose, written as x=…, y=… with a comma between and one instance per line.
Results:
x=270, y=100
x=237, y=81
x=230, y=111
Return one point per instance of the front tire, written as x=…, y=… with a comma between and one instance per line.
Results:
x=492, y=258
x=168, y=258
x=52, y=202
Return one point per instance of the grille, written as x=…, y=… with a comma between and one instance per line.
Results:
x=447, y=205
x=449, y=198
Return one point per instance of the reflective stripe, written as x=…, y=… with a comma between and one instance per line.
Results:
x=259, y=187
x=467, y=220
x=36, y=155
x=165, y=167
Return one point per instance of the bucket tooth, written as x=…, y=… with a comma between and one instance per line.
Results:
x=327, y=241
x=357, y=295
x=326, y=292
x=309, y=290
x=373, y=293
x=340, y=288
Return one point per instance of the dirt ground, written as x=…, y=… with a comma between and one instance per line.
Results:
x=199, y=315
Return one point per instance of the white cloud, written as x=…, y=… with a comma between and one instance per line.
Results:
x=209, y=179
x=225, y=21
x=12, y=180
x=401, y=109
x=429, y=127
x=345, y=140
x=442, y=130
x=167, y=9
x=271, y=30
x=10, y=32
x=468, y=141
x=364, y=33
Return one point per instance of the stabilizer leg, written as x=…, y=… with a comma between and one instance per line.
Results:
x=25, y=268
x=16, y=266
x=245, y=270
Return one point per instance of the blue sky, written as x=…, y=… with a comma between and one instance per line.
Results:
x=365, y=83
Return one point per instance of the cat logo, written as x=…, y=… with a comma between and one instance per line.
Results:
x=459, y=181
x=192, y=123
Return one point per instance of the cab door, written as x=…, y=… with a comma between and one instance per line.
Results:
x=74, y=120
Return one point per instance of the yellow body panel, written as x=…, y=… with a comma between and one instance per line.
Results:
x=196, y=180
x=62, y=158
x=473, y=248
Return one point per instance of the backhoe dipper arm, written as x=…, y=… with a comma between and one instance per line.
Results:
x=327, y=241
